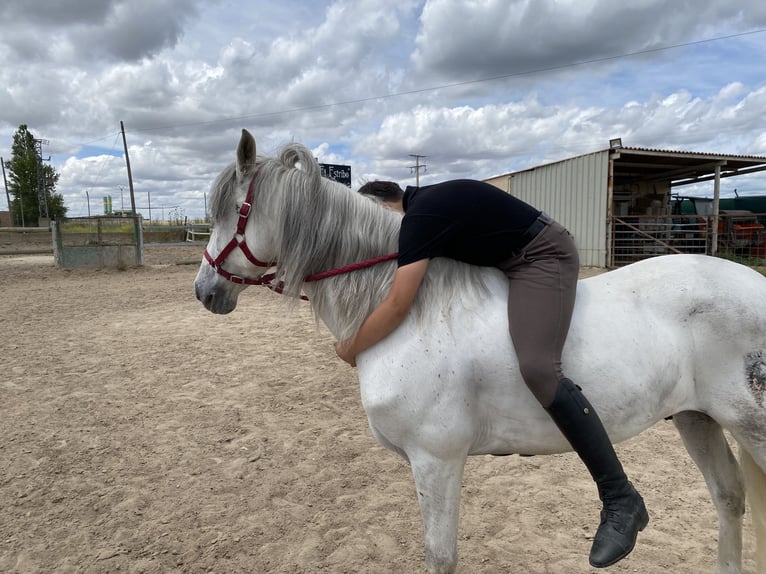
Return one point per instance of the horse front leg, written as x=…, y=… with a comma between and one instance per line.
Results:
x=437, y=482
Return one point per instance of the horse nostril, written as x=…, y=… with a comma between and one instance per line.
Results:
x=205, y=299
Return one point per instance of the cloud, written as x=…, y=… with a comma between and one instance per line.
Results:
x=369, y=82
x=123, y=30
x=501, y=138
x=495, y=37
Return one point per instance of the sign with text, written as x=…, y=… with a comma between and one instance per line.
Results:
x=339, y=173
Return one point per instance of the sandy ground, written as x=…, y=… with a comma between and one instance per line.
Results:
x=142, y=434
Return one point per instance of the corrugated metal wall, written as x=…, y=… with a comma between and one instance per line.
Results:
x=575, y=193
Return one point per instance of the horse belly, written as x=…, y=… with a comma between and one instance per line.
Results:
x=456, y=382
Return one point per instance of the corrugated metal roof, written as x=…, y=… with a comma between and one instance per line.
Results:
x=755, y=158
x=656, y=160
x=633, y=164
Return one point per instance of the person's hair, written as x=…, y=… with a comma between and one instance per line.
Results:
x=387, y=191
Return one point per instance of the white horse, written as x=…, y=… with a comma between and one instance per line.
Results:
x=680, y=335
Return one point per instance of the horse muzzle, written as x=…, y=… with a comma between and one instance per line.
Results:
x=216, y=301
x=217, y=295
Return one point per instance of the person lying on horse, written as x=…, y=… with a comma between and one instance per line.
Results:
x=479, y=224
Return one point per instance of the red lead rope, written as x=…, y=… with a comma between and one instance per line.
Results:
x=279, y=287
x=349, y=268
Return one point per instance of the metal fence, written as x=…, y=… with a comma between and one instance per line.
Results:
x=98, y=242
x=737, y=235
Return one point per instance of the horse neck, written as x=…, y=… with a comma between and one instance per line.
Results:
x=343, y=302
x=326, y=227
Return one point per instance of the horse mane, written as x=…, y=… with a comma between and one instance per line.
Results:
x=321, y=225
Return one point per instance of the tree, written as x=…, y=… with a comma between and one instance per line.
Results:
x=27, y=173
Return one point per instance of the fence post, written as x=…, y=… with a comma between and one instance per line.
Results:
x=139, y=239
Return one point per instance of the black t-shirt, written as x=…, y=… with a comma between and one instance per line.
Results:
x=467, y=220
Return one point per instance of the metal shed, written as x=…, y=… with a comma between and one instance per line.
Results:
x=605, y=196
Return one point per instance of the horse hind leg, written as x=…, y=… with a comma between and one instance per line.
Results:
x=755, y=482
x=704, y=440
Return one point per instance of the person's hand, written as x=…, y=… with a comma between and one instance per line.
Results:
x=344, y=351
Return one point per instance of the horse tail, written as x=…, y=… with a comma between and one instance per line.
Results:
x=755, y=485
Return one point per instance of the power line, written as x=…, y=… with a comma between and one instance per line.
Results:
x=97, y=180
x=440, y=86
x=457, y=84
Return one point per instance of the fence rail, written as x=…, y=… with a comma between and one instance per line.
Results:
x=197, y=233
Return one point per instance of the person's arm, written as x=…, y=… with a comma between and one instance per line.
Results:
x=388, y=315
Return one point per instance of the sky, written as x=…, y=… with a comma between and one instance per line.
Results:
x=477, y=87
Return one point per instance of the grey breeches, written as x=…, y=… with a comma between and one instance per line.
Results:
x=543, y=284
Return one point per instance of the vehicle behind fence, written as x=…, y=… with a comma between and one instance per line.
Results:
x=738, y=235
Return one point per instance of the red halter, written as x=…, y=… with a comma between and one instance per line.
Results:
x=239, y=241
x=267, y=279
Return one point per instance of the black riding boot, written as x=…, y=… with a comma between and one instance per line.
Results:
x=624, y=513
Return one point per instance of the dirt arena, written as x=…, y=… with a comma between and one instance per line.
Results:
x=142, y=434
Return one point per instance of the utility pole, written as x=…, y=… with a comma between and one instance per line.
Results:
x=130, y=175
x=417, y=167
x=136, y=220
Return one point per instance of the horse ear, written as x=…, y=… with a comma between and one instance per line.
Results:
x=245, y=153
